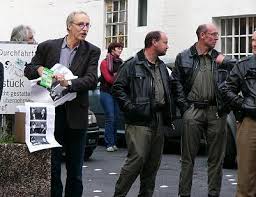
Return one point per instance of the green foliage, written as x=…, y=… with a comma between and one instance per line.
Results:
x=6, y=139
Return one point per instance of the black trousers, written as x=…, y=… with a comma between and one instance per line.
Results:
x=73, y=142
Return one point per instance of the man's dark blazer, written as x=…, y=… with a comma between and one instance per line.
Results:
x=84, y=65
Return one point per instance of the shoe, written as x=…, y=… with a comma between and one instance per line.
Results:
x=110, y=149
x=115, y=147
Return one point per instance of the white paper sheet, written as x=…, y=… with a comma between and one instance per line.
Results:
x=39, y=126
x=56, y=95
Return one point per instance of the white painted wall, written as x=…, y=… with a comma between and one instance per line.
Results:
x=179, y=19
x=48, y=17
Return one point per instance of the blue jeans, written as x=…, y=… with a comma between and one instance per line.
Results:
x=111, y=110
x=73, y=142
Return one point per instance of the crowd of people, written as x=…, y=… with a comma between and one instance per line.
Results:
x=143, y=89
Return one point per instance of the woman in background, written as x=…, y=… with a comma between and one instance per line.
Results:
x=108, y=68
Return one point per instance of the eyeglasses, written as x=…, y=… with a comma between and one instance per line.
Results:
x=214, y=34
x=83, y=25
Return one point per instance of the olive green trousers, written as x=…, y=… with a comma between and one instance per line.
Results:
x=145, y=147
x=199, y=122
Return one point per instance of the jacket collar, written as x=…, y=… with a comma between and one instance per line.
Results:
x=193, y=52
x=141, y=59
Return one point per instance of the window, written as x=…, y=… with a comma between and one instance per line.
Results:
x=236, y=36
x=116, y=22
x=142, y=12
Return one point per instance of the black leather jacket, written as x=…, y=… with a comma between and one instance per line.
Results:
x=186, y=64
x=134, y=90
x=242, y=78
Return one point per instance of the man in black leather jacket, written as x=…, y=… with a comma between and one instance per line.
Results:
x=197, y=74
x=243, y=79
x=143, y=92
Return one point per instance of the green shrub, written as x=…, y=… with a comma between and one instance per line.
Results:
x=6, y=139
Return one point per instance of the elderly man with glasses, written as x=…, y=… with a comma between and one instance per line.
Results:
x=71, y=119
x=197, y=74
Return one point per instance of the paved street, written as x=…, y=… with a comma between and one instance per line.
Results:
x=102, y=170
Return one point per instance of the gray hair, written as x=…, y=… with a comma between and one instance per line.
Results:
x=20, y=33
x=70, y=18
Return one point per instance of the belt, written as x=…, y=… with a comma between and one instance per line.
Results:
x=202, y=104
x=159, y=107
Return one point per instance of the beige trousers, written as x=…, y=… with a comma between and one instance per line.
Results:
x=246, y=158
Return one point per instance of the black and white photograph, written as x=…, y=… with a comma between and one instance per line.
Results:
x=38, y=140
x=38, y=127
x=57, y=91
x=38, y=113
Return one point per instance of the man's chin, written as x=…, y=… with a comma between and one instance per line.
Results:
x=82, y=37
x=162, y=54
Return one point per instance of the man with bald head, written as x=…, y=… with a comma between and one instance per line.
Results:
x=197, y=74
x=243, y=79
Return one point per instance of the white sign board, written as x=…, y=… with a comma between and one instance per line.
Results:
x=16, y=87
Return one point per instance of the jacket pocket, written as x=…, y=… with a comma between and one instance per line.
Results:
x=187, y=68
x=222, y=75
x=141, y=110
x=250, y=79
x=139, y=84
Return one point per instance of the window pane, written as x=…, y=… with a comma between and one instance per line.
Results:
x=222, y=27
x=114, y=30
x=242, y=26
x=115, y=17
x=242, y=45
x=250, y=44
x=241, y=56
x=121, y=39
x=229, y=27
x=109, y=6
x=122, y=17
x=122, y=5
x=109, y=18
x=115, y=6
x=121, y=30
x=108, y=41
x=236, y=45
x=229, y=45
x=223, y=45
x=114, y=39
x=236, y=26
x=250, y=25
x=236, y=56
x=142, y=12
x=108, y=30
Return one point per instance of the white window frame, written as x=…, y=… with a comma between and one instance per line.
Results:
x=247, y=35
x=116, y=38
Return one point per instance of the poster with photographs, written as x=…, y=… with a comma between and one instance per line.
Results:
x=40, y=126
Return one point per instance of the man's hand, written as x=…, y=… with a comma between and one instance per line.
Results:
x=40, y=71
x=60, y=78
x=220, y=59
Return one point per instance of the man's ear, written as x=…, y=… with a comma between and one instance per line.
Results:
x=202, y=34
x=154, y=41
